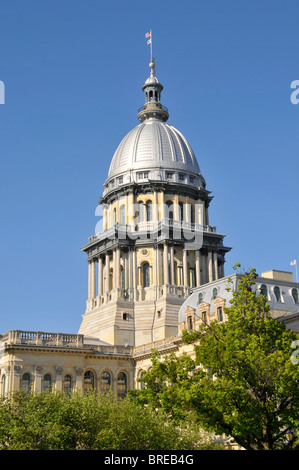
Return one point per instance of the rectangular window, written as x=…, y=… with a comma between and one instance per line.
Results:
x=220, y=314
x=191, y=179
x=120, y=180
x=204, y=317
x=181, y=177
x=190, y=323
x=169, y=175
x=143, y=175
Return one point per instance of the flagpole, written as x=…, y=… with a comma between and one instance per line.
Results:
x=296, y=272
x=151, y=46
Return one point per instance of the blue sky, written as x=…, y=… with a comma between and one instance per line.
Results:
x=73, y=73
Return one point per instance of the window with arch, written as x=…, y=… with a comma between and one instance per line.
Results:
x=264, y=290
x=169, y=205
x=142, y=383
x=122, y=382
x=122, y=277
x=200, y=297
x=295, y=295
x=25, y=384
x=192, y=214
x=140, y=211
x=105, y=381
x=181, y=211
x=146, y=275
x=67, y=384
x=149, y=211
x=215, y=293
x=47, y=382
x=220, y=314
x=114, y=216
x=89, y=381
x=277, y=293
x=122, y=214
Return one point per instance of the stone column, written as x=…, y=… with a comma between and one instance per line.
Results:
x=215, y=265
x=165, y=264
x=172, y=281
x=185, y=269
x=117, y=268
x=162, y=199
x=100, y=275
x=134, y=268
x=91, y=280
x=155, y=211
x=187, y=211
x=197, y=268
x=79, y=379
x=210, y=266
x=114, y=269
x=58, y=379
x=107, y=267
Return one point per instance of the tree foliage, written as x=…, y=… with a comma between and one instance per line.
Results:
x=54, y=421
x=254, y=394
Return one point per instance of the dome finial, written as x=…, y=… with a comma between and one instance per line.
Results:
x=152, y=91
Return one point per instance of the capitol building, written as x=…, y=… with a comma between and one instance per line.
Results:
x=155, y=267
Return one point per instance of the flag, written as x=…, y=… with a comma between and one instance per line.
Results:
x=149, y=41
x=147, y=35
x=293, y=262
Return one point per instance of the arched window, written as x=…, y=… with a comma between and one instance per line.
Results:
x=295, y=295
x=89, y=382
x=67, y=384
x=114, y=216
x=105, y=382
x=25, y=385
x=181, y=211
x=142, y=383
x=169, y=205
x=122, y=385
x=264, y=290
x=140, y=211
x=215, y=292
x=277, y=293
x=149, y=212
x=192, y=214
x=46, y=382
x=220, y=314
x=123, y=214
x=200, y=297
x=146, y=274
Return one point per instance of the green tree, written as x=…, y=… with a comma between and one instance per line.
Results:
x=254, y=395
x=54, y=421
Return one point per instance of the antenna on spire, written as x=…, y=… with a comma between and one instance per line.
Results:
x=149, y=38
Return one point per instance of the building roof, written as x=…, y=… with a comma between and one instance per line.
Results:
x=153, y=144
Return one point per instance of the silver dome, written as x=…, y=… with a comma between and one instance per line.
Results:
x=153, y=144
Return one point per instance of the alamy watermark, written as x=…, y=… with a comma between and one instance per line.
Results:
x=148, y=226
x=2, y=92
x=295, y=94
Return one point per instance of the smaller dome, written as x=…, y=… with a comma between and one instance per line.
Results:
x=151, y=81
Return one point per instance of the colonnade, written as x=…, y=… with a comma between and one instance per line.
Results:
x=118, y=269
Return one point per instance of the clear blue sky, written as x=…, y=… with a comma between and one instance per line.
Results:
x=73, y=72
